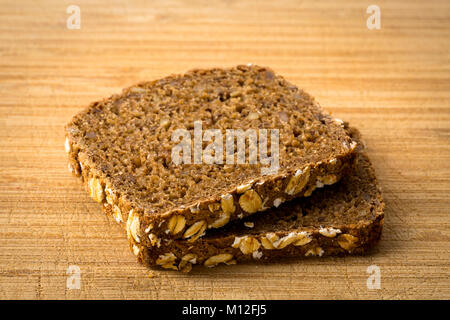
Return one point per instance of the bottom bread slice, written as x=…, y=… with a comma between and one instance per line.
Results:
x=345, y=218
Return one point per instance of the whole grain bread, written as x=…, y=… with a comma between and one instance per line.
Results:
x=121, y=147
x=345, y=218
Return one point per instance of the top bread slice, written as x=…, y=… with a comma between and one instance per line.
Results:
x=122, y=148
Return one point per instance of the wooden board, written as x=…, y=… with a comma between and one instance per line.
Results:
x=392, y=83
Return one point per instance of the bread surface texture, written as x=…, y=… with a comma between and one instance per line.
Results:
x=122, y=147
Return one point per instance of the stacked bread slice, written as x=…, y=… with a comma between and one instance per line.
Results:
x=222, y=165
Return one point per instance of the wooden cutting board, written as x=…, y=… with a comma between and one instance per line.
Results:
x=392, y=83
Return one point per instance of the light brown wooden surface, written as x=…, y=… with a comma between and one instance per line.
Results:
x=392, y=83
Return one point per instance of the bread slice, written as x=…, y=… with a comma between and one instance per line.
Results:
x=123, y=147
x=345, y=218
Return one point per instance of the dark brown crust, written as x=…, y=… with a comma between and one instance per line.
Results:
x=354, y=206
x=84, y=162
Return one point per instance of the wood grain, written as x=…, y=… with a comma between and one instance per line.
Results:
x=392, y=83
